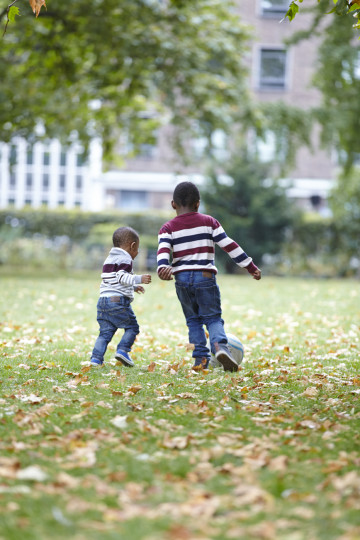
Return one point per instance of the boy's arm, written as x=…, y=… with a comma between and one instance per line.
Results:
x=254, y=270
x=235, y=252
x=125, y=276
x=164, y=267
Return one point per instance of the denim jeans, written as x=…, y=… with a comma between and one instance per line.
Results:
x=199, y=296
x=112, y=315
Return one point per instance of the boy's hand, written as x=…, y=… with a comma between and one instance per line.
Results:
x=139, y=289
x=146, y=278
x=165, y=273
x=257, y=274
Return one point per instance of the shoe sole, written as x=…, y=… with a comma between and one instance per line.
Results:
x=124, y=360
x=226, y=361
x=95, y=364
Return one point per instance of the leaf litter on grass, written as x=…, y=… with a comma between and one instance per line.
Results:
x=190, y=455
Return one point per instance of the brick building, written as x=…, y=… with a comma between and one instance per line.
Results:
x=51, y=175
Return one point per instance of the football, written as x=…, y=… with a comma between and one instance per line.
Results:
x=236, y=350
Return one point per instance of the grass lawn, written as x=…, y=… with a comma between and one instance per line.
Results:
x=159, y=452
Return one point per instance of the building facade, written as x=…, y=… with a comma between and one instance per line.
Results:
x=55, y=176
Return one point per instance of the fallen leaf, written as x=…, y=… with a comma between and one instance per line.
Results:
x=135, y=389
x=119, y=422
x=311, y=391
x=33, y=472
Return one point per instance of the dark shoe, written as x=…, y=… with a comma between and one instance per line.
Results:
x=124, y=358
x=201, y=363
x=226, y=360
x=96, y=363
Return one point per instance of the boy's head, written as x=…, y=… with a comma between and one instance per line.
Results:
x=127, y=239
x=186, y=195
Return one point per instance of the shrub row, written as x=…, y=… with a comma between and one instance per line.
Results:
x=76, y=224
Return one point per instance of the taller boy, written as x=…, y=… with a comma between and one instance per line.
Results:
x=190, y=238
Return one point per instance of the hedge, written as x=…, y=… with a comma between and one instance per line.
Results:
x=76, y=224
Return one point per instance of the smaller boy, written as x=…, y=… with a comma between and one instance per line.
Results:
x=116, y=293
x=189, y=241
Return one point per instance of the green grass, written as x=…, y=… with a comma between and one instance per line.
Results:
x=271, y=452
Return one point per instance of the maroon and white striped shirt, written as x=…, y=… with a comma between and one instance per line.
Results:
x=190, y=239
x=118, y=278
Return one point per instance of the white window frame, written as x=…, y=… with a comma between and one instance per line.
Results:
x=272, y=84
x=273, y=11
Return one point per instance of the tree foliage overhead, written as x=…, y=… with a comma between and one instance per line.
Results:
x=341, y=7
x=102, y=65
x=337, y=77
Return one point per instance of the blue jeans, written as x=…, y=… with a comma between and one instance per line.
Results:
x=113, y=313
x=199, y=296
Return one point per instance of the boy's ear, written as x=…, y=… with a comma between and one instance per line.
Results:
x=173, y=205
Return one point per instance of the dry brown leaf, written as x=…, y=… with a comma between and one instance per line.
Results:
x=279, y=463
x=151, y=367
x=85, y=369
x=134, y=389
x=176, y=442
x=311, y=391
x=9, y=467
x=186, y=395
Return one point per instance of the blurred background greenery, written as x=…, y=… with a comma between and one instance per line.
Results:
x=210, y=81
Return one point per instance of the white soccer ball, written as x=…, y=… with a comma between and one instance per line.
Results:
x=236, y=350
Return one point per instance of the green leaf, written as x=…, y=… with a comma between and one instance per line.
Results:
x=292, y=11
x=13, y=11
x=342, y=7
x=354, y=7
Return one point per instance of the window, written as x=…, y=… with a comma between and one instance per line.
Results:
x=11, y=202
x=62, y=182
x=80, y=160
x=12, y=180
x=147, y=151
x=46, y=158
x=29, y=156
x=266, y=147
x=274, y=8
x=44, y=202
x=77, y=203
x=133, y=200
x=63, y=158
x=61, y=203
x=78, y=182
x=29, y=180
x=28, y=201
x=45, y=182
x=272, y=69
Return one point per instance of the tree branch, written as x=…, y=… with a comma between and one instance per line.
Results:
x=6, y=12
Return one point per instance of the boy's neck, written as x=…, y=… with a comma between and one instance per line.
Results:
x=184, y=210
x=124, y=248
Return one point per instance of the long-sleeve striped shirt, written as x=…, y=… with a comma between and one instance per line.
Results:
x=190, y=239
x=117, y=275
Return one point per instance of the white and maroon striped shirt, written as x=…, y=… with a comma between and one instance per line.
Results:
x=190, y=238
x=117, y=275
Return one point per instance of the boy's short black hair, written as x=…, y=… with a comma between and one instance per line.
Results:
x=123, y=236
x=186, y=194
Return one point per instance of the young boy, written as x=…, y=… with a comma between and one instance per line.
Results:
x=191, y=237
x=116, y=293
